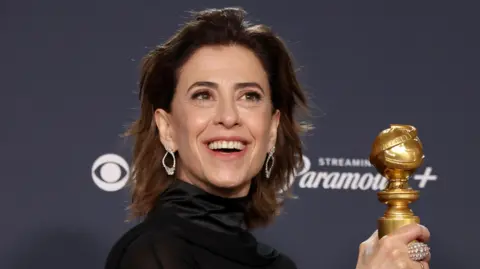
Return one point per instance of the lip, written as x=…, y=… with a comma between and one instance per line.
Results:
x=227, y=138
x=227, y=156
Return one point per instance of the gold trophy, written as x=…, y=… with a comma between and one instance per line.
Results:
x=396, y=153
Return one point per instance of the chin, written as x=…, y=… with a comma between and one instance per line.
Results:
x=231, y=181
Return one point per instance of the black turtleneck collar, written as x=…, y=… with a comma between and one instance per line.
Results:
x=205, y=209
x=211, y=222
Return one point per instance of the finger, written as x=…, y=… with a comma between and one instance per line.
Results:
x=410, y=232
x=428, y=258
x=369, y=244
x=367, y=247
x=374, y=237
x=425, y=265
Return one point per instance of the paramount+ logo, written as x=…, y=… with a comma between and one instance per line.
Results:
x=350, y=174
x=110, y=172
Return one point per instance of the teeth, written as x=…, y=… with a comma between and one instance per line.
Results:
x=226, y=145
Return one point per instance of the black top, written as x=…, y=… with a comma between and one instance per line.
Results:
x=190, y=228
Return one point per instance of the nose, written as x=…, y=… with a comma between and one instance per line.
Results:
x=227, y=114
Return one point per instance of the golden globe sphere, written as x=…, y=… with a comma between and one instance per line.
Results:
x=397, y=152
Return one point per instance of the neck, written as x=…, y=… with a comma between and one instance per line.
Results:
x=225, y=192
x=205, y=209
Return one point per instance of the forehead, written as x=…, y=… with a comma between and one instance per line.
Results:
x=223, y=64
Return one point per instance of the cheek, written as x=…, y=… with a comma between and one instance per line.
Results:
x=259, y=126
x=189, y=126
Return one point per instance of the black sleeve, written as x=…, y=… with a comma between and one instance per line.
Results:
x=154, y=252
x=141, y=256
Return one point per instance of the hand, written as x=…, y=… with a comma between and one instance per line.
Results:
x=391, y=252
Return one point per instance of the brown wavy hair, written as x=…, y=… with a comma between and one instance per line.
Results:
x=158, y=80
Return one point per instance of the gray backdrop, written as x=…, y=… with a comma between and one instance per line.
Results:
x=69, y=71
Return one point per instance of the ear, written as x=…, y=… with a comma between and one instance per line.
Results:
x=274, y=129
x=165, y=129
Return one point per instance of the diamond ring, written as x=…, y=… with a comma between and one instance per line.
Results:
x=418, y=251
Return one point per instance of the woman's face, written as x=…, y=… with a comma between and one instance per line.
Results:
x=221, y=121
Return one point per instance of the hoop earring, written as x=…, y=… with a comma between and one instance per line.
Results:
x=170, y=170
x=269, y=163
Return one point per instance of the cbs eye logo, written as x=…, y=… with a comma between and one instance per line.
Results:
x=110, y=172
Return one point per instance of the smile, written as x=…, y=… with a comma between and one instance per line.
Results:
x=227, y=150
x=226, y=146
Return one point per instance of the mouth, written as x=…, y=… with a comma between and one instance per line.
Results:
x=227, y=148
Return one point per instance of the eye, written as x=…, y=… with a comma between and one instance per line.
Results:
x=252, y=96
x=202, y=95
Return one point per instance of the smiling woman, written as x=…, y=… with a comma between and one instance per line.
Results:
x=218, y=80
x=216, y=142
x=218, y=103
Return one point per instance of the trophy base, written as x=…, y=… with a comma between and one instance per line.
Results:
x=387, y=225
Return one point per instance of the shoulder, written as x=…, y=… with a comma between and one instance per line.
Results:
x=286, y=262
x=144, y=247
x=282, y=261
x=155, y=250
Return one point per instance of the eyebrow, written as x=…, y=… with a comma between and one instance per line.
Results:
x=214, y=85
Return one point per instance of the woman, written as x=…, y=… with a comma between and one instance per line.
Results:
x=215, y=142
